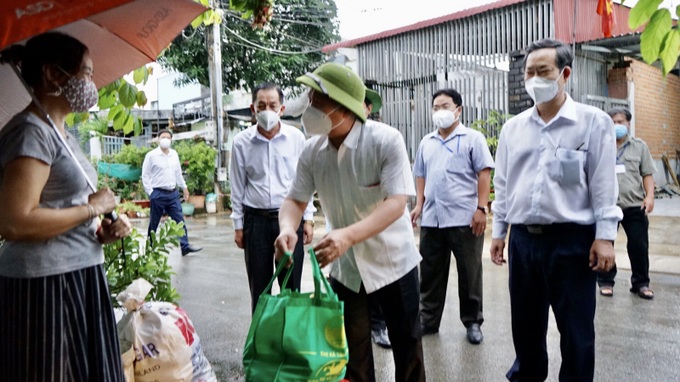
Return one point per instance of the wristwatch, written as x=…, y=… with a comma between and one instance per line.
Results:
x=311, y=222
x=483, y=209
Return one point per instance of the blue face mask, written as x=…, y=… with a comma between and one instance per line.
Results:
x=621, y=131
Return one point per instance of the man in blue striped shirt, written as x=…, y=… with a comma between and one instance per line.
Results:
x=555, y=184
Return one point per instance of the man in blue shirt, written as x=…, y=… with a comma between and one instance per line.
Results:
x=453, y=175
x=555, y=184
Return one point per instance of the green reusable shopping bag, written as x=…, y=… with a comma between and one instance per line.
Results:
x=297, y=336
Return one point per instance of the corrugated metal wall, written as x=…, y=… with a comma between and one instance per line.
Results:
x=470, y=55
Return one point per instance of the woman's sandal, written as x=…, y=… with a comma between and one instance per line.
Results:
x=643, y=292
x=607, y=291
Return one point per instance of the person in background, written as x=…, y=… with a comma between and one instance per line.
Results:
x=635, y=173
x=362, y=174
x=555, y=184
x=161, y=174
x=372, y=105
x=263, y=162
x=453, y=180
x=56, y=317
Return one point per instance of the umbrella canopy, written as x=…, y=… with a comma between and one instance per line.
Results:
x=122, y=35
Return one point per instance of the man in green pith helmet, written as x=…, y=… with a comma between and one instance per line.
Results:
x=362, y=174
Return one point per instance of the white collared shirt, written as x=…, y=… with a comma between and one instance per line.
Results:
x=370, y=165
x=262, y=170
x=162, y=170
x=562, y=171
x=450, y=169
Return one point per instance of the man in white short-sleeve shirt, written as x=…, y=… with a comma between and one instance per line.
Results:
x=362, y=174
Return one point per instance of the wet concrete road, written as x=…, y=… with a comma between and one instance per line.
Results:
x=636, y=340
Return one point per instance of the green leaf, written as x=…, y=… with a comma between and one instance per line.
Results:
x=652, y=37
x=128, y=124
x=677, y=11
x=197, y=21
x=114, y=113
x=107, y=100
x=642, y=12
x=140, y=75
x=670, y=50
x=141, y=98
x=127, y=94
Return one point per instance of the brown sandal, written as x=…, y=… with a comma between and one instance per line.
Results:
x=644, y=292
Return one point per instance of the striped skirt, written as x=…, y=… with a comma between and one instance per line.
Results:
x=58, y=328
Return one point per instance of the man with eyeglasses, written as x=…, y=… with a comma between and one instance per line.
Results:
x=361, y=171
x=453, y=176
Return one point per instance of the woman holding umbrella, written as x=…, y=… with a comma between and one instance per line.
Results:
x=56, y=318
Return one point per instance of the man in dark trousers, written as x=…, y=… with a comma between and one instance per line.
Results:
x=263, y=161
x=161, y=174
x=634, y=170
x=362, y=174
x=555, y=184
x=453, y=176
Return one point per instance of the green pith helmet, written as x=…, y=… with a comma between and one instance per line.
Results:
x=340, y=84
x=375, y=100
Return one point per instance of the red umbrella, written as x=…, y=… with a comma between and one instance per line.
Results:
x=122, y=35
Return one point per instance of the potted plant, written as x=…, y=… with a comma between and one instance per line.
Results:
x=198, y=164
x=133, y=210
x=133, y=257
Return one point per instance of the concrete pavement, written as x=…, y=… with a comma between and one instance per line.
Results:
x=637, y=340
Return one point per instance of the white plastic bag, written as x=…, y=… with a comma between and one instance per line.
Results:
x=165, y=344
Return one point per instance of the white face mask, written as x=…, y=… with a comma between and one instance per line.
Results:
x=267, y=119
x=443, y=119
x=316, y=122
x=541, y=89
x=165, y=143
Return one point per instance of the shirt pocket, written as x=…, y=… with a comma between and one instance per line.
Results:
x=632, y=163
x=567, y=167
x=458, y=163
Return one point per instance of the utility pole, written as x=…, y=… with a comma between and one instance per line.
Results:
x=215, y=76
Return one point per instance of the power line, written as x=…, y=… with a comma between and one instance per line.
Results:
x=271, y=50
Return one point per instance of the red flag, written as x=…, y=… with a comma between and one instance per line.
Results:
x=605, y=8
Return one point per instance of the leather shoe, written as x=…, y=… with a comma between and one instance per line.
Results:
x=474, y=334
x=381, y=339
x=189, y=249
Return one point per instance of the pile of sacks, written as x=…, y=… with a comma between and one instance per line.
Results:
x=158, y=340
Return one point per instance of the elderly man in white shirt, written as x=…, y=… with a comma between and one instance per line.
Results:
x=362, y=174
x=262, y=166
x=555, y=184
x=161, y=174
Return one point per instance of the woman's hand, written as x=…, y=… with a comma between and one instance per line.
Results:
x=110, y=231
x=103, y=201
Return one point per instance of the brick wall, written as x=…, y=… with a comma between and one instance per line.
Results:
x=518, y=99
x=657, y=108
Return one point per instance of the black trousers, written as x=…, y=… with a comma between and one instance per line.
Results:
x=436, y=245
x=551, y=269
x=166, y=202
x=59, y=328
x=399, y=304
x=259, y=234
x=636, y=225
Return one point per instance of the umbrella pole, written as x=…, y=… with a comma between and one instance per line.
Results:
x=113, y=216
